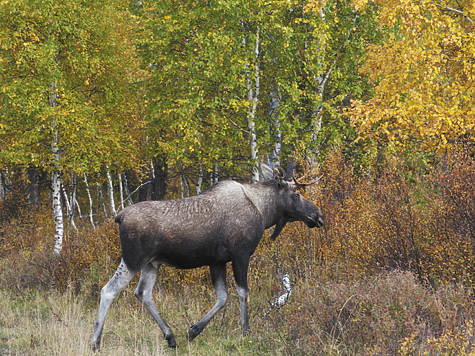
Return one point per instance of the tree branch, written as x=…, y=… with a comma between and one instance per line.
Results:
x=239, y=127
x=446, y=8
x=128, y=196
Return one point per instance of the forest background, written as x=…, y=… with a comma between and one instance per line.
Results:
x=103, y=104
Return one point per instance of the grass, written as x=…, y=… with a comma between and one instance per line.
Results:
x=391, y=313
x=49, y=323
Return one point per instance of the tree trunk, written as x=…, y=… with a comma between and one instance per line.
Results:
x=160, y=177
x=90, y=201
x=73, y=199
x=253, y=96
x=215, y=173
x=121, y=192
x=100, y=200
x=58, y=212
x=69, y=207
x=274, y=156
x=127, y=191
x=56, y=179
x=200, y=181
x=110, y=192
x=317, y=112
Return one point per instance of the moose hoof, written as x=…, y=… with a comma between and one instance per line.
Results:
x=171, y=341
x=193, y=332
x=95, y=346
x=246, y=332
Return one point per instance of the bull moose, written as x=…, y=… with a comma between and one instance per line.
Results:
x=223, y=224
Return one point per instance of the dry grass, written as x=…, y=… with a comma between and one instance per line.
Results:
x=391, y=313
x=54, y=324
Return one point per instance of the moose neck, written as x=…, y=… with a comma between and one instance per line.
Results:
x=265, y=197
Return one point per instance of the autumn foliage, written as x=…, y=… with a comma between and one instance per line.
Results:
x=399, y=214
x=423, y=74
x=398, y=241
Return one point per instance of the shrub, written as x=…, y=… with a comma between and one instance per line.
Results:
x=398, y=216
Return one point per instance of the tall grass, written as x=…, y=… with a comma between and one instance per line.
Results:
x=45, y=323
x=387, y=314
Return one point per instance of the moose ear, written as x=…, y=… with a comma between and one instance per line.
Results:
x=279, y=174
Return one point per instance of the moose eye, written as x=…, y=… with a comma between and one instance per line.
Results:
x=296, y=196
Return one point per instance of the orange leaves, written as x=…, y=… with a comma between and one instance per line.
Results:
x=401, y=215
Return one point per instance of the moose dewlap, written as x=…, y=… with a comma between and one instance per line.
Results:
x=223, y=224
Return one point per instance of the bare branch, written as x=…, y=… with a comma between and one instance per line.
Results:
x=239, y=127
x=128, y=196
x=446, y=8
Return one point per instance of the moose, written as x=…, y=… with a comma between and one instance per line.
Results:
x=225, y=223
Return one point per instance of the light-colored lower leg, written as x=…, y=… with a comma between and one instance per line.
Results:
x=242, y=293
x=109, y=292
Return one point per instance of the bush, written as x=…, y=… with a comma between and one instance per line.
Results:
x=400, y=215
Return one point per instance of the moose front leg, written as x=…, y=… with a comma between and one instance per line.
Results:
x=240, y=267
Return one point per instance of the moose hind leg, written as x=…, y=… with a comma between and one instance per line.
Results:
x=148, y=276
x=109, y=292
x=218, y=278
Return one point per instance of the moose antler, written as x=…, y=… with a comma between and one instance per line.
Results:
x=298, y=183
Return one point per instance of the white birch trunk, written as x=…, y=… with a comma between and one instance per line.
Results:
x=182, y=188
x=69, y=207
x=100, y=198
x=253, y=96
x=58, y=213
x=185, y=188
x=127, y=191
x=78, y=207
x=56, y=180
x=73, y=200
x=274, y=157
x=278, y=144
x=317, y=113
x=317, y=116
x=90, y=201
x=110, y=191
x=200, y=181
x=216, y=173
x=121, y=192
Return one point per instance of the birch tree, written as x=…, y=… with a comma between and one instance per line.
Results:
x=56, y=176
x=232, y=71
x=252, y=75
x=65, y=102
x=212, y=109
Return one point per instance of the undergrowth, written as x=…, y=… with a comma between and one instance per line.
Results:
x=391, y=273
